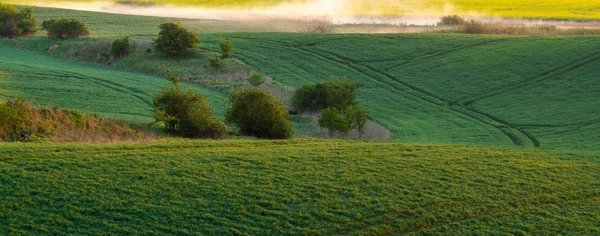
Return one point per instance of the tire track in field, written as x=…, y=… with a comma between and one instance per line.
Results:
x=516, y=135
x=439, y=54
x=513, y=133
x=561, y=70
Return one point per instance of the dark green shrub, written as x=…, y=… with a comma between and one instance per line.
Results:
x=15, y=23
x=333, y=121
x=215, y=62
x=120, y=47
x=226, y=48
x=14, y=118
x=65, y=28
x=332, y=93
x=258, y=113
x=453, y=20
x=174, y=40
x=257, y=79
x=186, y=113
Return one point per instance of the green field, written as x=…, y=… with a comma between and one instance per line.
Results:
x=104, y=91
x=548, y=9
x=425, y=88
x=295, y=187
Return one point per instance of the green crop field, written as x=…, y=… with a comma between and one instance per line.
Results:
x=48, y=81
x=466, y=112
x=295, y=187
x=548, y=9
x=425, y=88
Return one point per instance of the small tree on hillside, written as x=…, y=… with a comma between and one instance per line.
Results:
x=174, y=40
x=226, y=48
x=338, y=93
x=120, y=47
x=15, y=23
x=453, y=20
x=333, y=121
x=357, y=118
x=186, y=113
x=258, y=113
x=65, y=28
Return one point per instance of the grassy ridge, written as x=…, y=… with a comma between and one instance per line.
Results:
x=104, y=91
x=302, y=186
x=549, y=9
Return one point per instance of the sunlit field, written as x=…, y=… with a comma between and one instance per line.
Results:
x=551, y=9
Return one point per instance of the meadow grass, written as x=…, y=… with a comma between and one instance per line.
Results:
x=425, y=88
x=104, y=91
x=295, y=187
x=549, y=9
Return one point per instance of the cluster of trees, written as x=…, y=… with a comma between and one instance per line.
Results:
x=335, y=99
x=252, y=112
x=15, y=23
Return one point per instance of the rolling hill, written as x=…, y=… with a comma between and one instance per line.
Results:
x=295, y=187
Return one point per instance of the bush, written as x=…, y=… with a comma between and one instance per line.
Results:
x=174, y=40
x=65, y=28
x=186, y=113
x=257, y=79
x=120, y=47
x=453, y=20
x=215, y=62
x=475, y=27
x=332, y=120
x=226, y=48
x=258, y=113
x=332, y=93
x=15, y=23
x=14, y=117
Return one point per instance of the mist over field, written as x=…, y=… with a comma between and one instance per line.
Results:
x=403, y=12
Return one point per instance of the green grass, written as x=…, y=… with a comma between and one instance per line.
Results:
x=104, y=91
x=549, y=9
x=425, y=88
x=295, y=187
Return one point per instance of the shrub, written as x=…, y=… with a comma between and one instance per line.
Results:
x=257, y=79
x=174, y=40
x=332, y=93
x=258, y=113
x=226, y=48
x=15, y=23
x=14, y=117
x=332, y=120
x=120, y=47
x=474, y=27
x=215, y=62
x=186, y=113
x=453, y=20
x=65, y=28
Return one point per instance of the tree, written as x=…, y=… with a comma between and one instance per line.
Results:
x=15, y=23
x=174, y=40
x=226, y=48
x=14, y=117
x=65, y=28
x=258, y=113
x=332, y=120
x=338, y=93
x=357, y=118
x=120, y=47
x=256, y=79
x=453, y=20
x=186, y=113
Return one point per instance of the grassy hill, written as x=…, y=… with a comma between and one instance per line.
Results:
x=297, y=187
x=549, y=9
x=103, y=91
x=425, y=88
